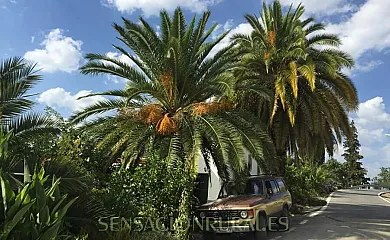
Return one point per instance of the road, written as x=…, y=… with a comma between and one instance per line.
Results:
x=350, y=215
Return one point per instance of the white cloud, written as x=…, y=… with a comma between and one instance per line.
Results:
x=372, y=113
x=58, y=97
x=328, y=7
x=153, y=7
x=367, y=29
x=244, y=28
x=372, y=121
x=368, y=66
x=375, y=158
x=371, y=136
x=59, y=53
x=32, y=39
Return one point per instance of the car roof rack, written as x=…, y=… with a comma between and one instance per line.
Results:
x=264, y=175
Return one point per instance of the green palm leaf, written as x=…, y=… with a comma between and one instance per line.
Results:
x=301, y=66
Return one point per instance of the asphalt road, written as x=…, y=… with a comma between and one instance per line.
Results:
x=350, y=215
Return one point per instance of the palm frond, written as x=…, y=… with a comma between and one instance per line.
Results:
x=98, y=108
x=324, y=39
x=31, y=125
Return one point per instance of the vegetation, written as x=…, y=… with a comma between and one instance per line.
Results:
x=17, y=78
x=34, y=141
x=33, y=212
x=383, y=178
x=278, y=93
x=301, y=68
x=306, y=183
x=176, y=101
x=337, y=172
x=159, y=192
x=384, y=175
x=355, y=172
x=18, y=123
x=307, y=179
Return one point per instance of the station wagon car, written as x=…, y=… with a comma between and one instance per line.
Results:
x=263, y=205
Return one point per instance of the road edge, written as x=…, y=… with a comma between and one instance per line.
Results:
x=316, y=213
x=384, y=199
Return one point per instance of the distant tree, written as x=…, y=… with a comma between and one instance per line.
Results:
x=337, y=171
x=355, y=171
x=374, y=180
x=384, y=176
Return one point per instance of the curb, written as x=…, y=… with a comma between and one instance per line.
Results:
x=384, y=199
x=314, y=209
x=322, y=209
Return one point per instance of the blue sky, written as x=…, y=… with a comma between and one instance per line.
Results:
x=57, y=34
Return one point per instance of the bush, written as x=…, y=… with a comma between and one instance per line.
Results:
x=151, y=190
x=306, y=183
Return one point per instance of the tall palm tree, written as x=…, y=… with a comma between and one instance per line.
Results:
x=303, y=70
x=17, y=78
x=176, y=100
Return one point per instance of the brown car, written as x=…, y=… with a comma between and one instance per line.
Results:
x=263, y=204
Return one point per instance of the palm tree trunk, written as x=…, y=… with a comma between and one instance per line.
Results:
x=26, y=172
x=282, y=162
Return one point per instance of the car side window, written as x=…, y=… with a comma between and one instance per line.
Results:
x=281, y=184
x=268, y=186
x=274, y=186
x=254, y=187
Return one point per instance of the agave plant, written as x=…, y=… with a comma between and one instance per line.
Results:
x=33, y=212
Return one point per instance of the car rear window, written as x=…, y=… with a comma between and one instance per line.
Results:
x=281, y=184
x=274, y=186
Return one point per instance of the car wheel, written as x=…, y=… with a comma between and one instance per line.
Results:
x=208, y=236
x=284, y=220
x=261, y=228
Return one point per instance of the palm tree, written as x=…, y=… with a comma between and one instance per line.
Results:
x=176, y=100
x=303, y=70
x=17, y=78
x=22, y=130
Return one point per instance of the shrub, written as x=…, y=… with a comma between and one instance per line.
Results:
x=306, y=183
x=151, y=190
